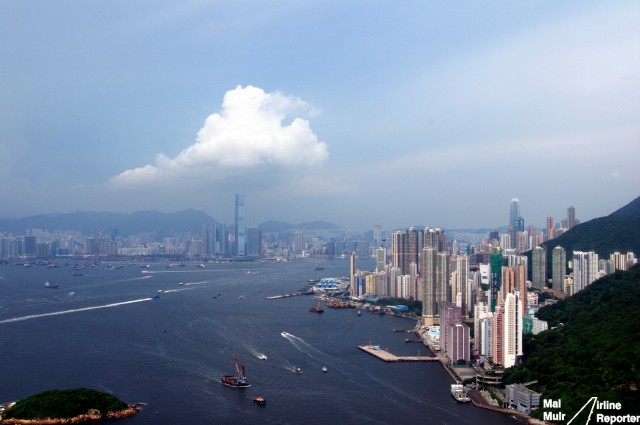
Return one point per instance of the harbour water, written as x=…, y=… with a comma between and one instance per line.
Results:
x=106, y=331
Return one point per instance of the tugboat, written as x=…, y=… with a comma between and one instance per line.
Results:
x=260, y=400
x=239, y=381
x=317, y=308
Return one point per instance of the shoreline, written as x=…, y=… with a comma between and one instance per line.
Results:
x=87, y=417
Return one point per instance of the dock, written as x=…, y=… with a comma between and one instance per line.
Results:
x=386, y=356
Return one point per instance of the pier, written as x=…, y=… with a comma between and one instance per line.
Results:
x=386, y=356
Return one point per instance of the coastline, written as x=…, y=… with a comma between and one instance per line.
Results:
x=90, y=416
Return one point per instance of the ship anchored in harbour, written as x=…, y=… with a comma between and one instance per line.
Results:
x=239, y=381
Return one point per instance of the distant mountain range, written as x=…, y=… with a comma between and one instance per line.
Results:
x=162, y=224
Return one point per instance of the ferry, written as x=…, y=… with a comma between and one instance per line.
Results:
x=459, y=393
x=239, y=381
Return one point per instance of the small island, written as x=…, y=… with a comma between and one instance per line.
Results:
x=66, y=407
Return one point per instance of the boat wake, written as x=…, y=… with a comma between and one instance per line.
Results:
x=75, y=310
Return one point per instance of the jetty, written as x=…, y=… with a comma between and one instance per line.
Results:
x=386, y=356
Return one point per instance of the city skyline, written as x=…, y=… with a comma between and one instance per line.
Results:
x=426, y=114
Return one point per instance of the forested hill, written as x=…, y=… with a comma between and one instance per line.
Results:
x=593, y=348
x=619, y=231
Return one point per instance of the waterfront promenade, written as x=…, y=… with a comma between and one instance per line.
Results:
x=386, y=356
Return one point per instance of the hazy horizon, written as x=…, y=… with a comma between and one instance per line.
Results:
x=352, y=113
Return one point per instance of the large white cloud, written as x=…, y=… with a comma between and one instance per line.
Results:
x=249, y=132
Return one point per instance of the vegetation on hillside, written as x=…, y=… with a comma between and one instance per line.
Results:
x=64, y=404
x=592, y=348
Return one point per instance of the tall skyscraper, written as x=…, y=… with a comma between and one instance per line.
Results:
x=377, y=235
x=253, y=241
x=539, y=267
x=298, y=241
x=558, y=267
x=571, y=217
x=514, y=211
x=405, y=249
x=240, y=242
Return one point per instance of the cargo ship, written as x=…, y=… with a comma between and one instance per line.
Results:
x=239, y=381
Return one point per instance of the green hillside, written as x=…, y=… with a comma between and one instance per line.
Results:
x=619, y=231
x=593, y=348
x=64, y=404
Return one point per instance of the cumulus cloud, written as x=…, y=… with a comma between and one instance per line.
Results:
x=251, y=131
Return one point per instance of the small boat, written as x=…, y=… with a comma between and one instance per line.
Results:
x=260, y=400
x=297, y=370
x=76, y=274
x=319, y=268
x=359, y=313
x=156, y=296
x=239, y=381
x=47, y=284
x=324, y=369
x=262, y=356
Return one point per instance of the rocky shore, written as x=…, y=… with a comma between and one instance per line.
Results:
x=92, y=415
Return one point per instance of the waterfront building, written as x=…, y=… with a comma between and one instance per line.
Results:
x=522, y=398
x=449, y=314
x=458, y=342
x=240, y=227
x=539, y=267
x=443, y=287
x=558, y=267
x=585, y=269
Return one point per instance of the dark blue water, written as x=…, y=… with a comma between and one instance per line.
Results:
x=102, y=330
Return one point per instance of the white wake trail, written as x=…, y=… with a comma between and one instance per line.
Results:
x=75, y=310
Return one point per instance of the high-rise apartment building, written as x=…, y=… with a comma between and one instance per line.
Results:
x=495, y=279
x=585, y=269
x=512, y=329
x=428, y=261
x=381, y=259
x=462, y=277
x=240, y=228
x=558, y=267
x=550, y=229
x=539, y=267
x=298, y=241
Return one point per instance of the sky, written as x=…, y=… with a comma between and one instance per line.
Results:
x=354, y=112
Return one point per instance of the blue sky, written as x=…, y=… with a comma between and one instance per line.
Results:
x=354, y=112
